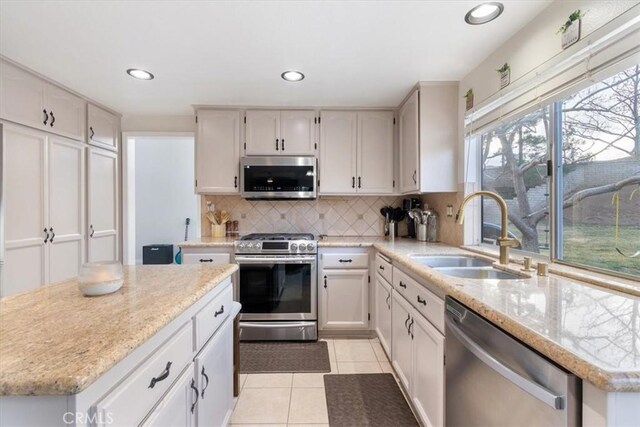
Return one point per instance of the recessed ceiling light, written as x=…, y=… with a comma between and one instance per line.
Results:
x=292, y=76
x=140, y=74
x=484, y=13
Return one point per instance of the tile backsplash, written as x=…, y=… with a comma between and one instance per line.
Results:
x=333, y=216
x=450, y=232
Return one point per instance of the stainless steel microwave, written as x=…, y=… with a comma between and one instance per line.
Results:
x=278, y=177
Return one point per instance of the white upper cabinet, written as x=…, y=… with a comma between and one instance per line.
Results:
x=356, y=152
x=338, y=148
x=409, y=139
x=218, y=151
x=285, y=133
x=33, y=102
x=22, y=97
x=67, y=113
x=103, y=128
x=375, y=152
x=262, y=132
x=103, y=205
x=429, y=139
x=298, y=132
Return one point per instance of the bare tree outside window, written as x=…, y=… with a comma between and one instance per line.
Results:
x=600, y=176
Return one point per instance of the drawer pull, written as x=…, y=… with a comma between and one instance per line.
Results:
x=403, y=285
x=421, y=301
x=219, y=312
x=345, y=260
x=194, y=388
x=163, y=376
x=206, y=377
x=381, y=267
x=206, y=260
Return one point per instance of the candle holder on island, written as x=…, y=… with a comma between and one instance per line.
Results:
x=100, y=278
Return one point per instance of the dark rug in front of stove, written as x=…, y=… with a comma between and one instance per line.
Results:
x=268, y=357
x=372, y=400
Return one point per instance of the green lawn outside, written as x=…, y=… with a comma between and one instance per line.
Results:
x=594, y=245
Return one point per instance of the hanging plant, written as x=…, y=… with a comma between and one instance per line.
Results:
x=469, y=97
x=570, y=31
x=505, y=75
x=572, y=18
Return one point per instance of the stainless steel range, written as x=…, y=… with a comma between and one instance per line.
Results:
x=278, y=287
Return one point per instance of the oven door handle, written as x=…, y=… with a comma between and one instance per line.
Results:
x=284, y=260
x=269, y=325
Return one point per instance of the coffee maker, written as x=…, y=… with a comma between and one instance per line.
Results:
x=407, y=205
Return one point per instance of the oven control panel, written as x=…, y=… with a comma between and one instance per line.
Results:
x=275, y=247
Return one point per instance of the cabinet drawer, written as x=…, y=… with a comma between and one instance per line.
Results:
x=206, y=258
x=345, y=261
x=132, y=400
x=212, y=315
x=400, y=282
x=427, y=304
x=384, y=268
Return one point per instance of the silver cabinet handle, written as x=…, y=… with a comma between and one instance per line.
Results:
x=534, y=389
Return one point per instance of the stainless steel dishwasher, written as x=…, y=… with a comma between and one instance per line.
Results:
x=494, y=380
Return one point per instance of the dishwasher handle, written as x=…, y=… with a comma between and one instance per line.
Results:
x=534, y=389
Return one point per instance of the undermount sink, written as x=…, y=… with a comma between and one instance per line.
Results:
x=480, y=273
x=437, y=261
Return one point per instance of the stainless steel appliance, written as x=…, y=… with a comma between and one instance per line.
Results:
x=278, y=177
x=278, y=287
x=407, y=205
x=494, y=380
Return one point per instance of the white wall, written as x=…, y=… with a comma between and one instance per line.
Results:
x=146, y=123
x=164, y=191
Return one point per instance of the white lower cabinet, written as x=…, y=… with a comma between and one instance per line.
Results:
x=401, y=347
x=418, y=351
x=428, y=371
x=344, y=299
x=214, y=379
x=175, y=409
x=383, y=296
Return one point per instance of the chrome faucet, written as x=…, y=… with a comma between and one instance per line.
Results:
x=504, y=241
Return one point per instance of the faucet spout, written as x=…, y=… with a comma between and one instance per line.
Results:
x=504, y=241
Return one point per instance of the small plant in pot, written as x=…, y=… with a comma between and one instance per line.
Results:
x=569, y=30
x=505, y=75
x=469, y=98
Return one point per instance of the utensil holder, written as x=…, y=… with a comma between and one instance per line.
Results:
x=392, y=233
x=421, y=232
x=218, y=230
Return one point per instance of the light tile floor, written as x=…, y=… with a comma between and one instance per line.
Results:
x=281, y=400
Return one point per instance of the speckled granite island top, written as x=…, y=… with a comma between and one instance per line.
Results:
x=591, y=331
x=55, y=341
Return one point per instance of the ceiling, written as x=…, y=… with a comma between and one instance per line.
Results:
x=233, y=52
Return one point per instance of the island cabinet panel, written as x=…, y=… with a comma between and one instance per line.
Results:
x=130, y=402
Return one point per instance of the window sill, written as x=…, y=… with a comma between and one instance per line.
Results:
x=627, y=286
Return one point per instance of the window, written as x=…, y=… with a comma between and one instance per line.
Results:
x=597, y=183
x=514, y=165
x=599, y=187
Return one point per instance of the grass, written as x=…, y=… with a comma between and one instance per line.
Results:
x=594, y=245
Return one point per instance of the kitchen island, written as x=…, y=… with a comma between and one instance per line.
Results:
x=69, y=359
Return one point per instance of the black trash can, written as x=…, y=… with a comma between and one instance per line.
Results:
x=157, y=254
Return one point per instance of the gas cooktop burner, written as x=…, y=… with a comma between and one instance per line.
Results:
x=278, y=236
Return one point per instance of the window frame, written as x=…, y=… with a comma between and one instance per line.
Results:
x=555, y=156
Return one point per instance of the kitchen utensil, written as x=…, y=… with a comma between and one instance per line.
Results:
x=393, y=230
x=186, y=237
x=432, y=225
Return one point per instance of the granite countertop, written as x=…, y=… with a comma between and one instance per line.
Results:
x=590, y=330
x=55, y=341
